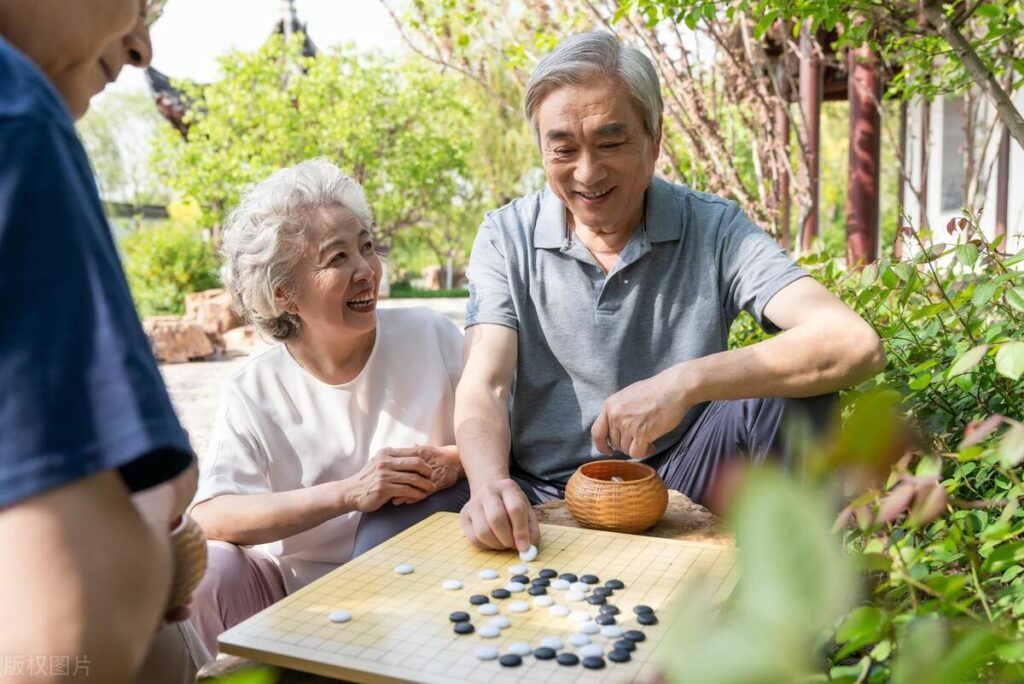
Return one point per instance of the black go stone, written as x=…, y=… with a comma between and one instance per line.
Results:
x=624, y=645
x=541, y=582
x=479, y=599
x=614, y=584
x=536, y=591
x=459, y=616
x=568, y=659
x=640, y=610
x=602, y=591
x=589, y=579
x=619, y=656
x=548, y=573
x=510, y=660
x=604, y=619
x=609, y=610
x=522, y=579
x=596, y=600
x=634, y=635
x=501, y=593
x=463, y=628
x=543, y=653
x=593, y=662
x=647, y=619
x=569, y=577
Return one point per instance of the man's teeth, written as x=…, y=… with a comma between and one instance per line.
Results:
x=595, y=195
x=362, y=300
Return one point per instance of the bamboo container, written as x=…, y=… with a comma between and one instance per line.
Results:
x=616, y=495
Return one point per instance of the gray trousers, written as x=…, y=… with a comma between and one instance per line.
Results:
x=754, y=430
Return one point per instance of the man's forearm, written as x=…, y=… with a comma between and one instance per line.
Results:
x=804, y=361
x=482, y=433
x=263, y=518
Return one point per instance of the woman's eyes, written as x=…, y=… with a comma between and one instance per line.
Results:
x=367, y=247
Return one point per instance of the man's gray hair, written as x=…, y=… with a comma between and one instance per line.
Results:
x=580, y=58
x=267, y=233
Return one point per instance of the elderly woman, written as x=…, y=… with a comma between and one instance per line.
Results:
x=329, y=423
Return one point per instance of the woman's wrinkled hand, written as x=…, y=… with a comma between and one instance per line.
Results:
x=391, y=474
x=445, y=466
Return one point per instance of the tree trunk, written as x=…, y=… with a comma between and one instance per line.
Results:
x=977, y=70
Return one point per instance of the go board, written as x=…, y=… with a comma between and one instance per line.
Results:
x=400, y=629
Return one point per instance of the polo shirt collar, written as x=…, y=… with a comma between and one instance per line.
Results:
x=663, y=217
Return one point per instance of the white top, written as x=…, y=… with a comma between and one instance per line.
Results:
x=278, y=428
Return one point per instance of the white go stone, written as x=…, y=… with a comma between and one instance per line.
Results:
x=558, y=611
x=452, y=585
x=488, y=573
x=520, y=648
x=529, y=554
x=560, y=584
x=515, y=587
x=486, y=653
x=488, y=609
x=552, y=642
x=580, y=616
x=500, y=621
x=579, y=639
x=518, y=607
x=518, y=570
x=611, y=631
x=489, y=631
x=404, y=569
x=543, y=601
x=573, y=595
x=581, y=587
x=591, y=650
x=590, y=628
x=340, y=616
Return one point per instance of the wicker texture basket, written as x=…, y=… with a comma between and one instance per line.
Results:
x=189, y=545
x=631, y=502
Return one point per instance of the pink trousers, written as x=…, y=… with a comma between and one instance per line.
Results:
x=238, y=584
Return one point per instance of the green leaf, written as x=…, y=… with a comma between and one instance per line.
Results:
x=1015, y=297
x=1010, y=360
x=903, y=270
x=1003, y=556
x=983, y=294
x=863, y=626
x=967, y=254
x=966, y=361
x=920, y=382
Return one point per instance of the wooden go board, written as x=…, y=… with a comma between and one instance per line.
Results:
x=400, y=629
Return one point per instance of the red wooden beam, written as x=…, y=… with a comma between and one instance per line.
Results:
x=810, y=104
x=862, y=191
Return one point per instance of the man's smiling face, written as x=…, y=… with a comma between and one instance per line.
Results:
x=598, y=157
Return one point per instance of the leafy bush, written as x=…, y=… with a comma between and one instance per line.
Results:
x=939, y=544
x=164, y=263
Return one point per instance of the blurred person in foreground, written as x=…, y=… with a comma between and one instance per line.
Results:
x=351, y=409
x=600, y=309
x=94, y=466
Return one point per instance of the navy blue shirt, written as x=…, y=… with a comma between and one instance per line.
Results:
x=80, y=391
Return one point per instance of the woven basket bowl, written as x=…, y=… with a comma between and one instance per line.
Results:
x=632, y=502
x=189, y=545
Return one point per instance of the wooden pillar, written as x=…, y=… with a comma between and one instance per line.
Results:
x=897, y=245
x=862, y=196
x=926, y=133
x=810, y=104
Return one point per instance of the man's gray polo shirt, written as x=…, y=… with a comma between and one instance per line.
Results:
x=680, y=281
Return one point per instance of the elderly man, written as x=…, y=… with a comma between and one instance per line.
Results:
x=602, y=305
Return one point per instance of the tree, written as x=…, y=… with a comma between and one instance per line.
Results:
x=398, y=129
x=118, y=132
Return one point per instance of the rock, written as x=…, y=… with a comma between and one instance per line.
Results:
x=244, y=340
x=175, y=340
x=683, y=519
x=212, y=310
